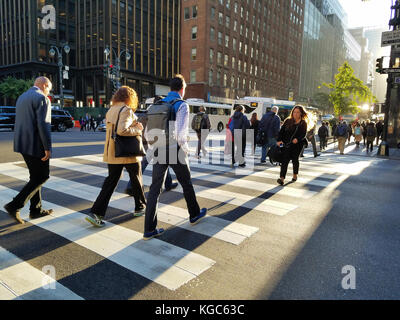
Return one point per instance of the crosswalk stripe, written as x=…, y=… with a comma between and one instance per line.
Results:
x=156, y=260
x=177, y=216
x=21, y=281
x=243, y=200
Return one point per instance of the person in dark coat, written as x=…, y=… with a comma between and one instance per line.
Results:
x=323, y=135
x=32, y=138
x=203, y=131
x=238, y=126
x=292, y=135
x=270, y=124
x=379, y=131
x=254, y=125
x=364, y=131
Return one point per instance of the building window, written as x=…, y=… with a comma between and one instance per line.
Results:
x=233, y=63
x=194, y=54
x=211, y=56
x=227, y=21
x=234, y=44
x=212, y=34
x=220, y=38
x=194, y=33
x=221, y=18
x=187, y=13
x=194, y=11
x=225, y=80
x=219, y=58
x=218, y=78
x=212, y=13
x=210, y=77
x=235, y=26
x=226, y=41
x=226, y=60
x=193, y=76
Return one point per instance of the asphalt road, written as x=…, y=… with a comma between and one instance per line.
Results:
x=344, y=213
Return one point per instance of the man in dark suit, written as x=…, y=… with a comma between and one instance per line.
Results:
x=32, y=138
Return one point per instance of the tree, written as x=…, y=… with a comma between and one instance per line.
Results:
x=348, y=92
x=323, y=102
x=12, y=88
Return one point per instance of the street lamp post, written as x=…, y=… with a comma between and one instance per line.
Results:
x=117, y=73
x=53, y=51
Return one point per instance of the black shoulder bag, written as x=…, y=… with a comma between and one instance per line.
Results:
x=127, y=146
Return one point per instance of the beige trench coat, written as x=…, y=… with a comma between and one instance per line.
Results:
x=127, y=120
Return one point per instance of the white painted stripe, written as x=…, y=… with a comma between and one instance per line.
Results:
x=161, y=262
x=20, y=280
x=250, y=202
x=124, y=202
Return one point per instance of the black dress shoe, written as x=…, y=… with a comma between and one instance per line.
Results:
x=14, y=214
x=173, y=186
x=280, y=182
x=41, y=214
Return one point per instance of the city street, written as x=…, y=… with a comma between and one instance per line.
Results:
x=259, y=240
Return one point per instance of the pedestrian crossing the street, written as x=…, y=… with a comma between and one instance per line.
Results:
x=75, y=182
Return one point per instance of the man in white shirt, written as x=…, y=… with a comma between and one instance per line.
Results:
x=180, y=167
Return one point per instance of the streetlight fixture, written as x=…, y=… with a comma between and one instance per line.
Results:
x=107, y=53
x=53, y=50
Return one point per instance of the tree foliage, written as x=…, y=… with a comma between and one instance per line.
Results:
x=323, y=102
x=12, y=88
x=348, y=92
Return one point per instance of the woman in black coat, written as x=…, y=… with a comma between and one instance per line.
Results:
x=292, y=135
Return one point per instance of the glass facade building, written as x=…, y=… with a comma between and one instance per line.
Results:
x=148, y=29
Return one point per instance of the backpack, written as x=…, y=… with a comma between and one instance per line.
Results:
x=196, y=123
x=159, y=115
x=357, y=131
x=341, y=130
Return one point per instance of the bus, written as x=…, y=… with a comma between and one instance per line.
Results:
x=218, y=113
x=262, y=105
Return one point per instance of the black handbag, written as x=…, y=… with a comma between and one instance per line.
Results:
x=276, y=153
x=127, y=146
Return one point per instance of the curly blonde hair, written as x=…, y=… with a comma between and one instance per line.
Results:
x=126, y=95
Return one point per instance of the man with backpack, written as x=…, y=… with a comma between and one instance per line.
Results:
x=167, y=135
x=270, y=125
x=202, y=126
x=323, y=135
x=342, y=134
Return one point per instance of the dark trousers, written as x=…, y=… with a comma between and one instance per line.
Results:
x=322, y=142
x=110, y=183
x=370, y=144
x=168, y=179
x=292, y=153
x=39, y=173
x=239, y=153
x=201, y=136
x=182, y=173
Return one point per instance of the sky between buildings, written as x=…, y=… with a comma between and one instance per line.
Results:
x=368, y=13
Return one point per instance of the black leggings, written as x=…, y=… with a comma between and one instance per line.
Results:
x=292, y=153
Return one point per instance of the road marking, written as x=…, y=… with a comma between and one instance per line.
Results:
x=156, y=260
x=19, y=280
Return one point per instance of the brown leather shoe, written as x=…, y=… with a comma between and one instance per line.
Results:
x=41, y=214
x=14, y=214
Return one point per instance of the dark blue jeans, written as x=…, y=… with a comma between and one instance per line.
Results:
x=168, y=179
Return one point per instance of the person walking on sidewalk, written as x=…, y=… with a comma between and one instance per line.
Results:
x=168, y=184
x=350, y=133
x=371, y=135
x=291, y=136
x=310, y=136
x=254, y=125
x=323, y=136
x=270, y=125
x=179, y=111
x=341, y=134
x=121, y=119
x=379, y=131
x=358, y=134
x=202, y=126
x=238, y=127
x=364, y=131
x=32, y=138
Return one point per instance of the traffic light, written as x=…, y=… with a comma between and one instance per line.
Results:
x=379, y=65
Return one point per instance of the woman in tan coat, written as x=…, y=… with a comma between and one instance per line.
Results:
x=126, y=99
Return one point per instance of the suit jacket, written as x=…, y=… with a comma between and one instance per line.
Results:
x=32, y=130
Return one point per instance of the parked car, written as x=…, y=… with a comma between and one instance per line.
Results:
x=61, y=120
x=101, y=127
x=7, y=117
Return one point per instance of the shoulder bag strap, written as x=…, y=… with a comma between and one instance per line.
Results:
x=114, y=133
